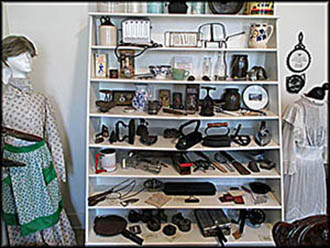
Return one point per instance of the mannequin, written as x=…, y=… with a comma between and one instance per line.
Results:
x=32, y=205
x=305, y=141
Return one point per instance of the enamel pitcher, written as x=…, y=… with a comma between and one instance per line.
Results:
x=260, y=34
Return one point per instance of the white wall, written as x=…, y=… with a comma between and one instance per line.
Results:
x=60, y=32
x=312, y=19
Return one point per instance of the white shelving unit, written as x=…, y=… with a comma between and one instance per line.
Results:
x=95, y=183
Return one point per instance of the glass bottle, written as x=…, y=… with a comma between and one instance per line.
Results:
x=220, y=67
x=207, y=67
x=198, y=7
x=155, y=7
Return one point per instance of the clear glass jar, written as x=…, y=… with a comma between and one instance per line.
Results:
x=136, y=7
x=220, y=67
x=155, y=7
x=206, y=67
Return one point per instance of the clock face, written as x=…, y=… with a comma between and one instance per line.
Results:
x=298, y=60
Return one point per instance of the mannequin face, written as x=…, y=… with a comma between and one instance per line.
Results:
x=20, y=65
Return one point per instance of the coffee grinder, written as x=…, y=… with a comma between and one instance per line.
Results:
x=207, y=104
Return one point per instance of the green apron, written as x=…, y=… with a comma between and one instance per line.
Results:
x=31, y=197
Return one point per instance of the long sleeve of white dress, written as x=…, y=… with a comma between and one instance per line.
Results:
x=292, y=133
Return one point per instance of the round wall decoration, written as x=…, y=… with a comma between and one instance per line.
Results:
x=255, y=97
x=299, y=58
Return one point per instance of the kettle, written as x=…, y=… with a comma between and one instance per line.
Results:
x=108, y=32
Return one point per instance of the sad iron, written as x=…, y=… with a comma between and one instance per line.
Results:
x=191, y=139
x=263, y=137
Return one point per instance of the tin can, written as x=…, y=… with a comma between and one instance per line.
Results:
x=259, y=8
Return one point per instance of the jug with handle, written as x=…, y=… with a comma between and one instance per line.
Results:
x=260, y=34
x=108, y=32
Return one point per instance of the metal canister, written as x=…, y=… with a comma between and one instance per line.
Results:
x=259, y=8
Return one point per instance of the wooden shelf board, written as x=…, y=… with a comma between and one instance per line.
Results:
x=189, y=49
x=165, y=15
x=118, y=112
x=177, y=201
x=250, y=236
x=169, y=145
x=170, y=172
x=136, y=81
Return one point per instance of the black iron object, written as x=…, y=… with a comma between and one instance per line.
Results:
x=143, y=132
x=295, y=83
x=217, y=140
x=263, y=137
x=242, y=140
x=232, y=99
x=225, y=7
x=238, y=66
x=177, y=7
x=191, y=139
x=207, y=104
x=131, y=131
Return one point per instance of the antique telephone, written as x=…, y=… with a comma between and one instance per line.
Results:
x=191, y=139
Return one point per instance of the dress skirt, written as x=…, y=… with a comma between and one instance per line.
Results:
x=32, y=205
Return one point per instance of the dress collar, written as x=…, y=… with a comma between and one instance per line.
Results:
x=313, y=101
x=23, y=85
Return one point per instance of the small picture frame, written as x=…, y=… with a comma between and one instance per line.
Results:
x=165, y=97
x=100, y=65
x=123, y=97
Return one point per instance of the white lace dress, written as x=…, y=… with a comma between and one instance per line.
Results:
x=305, y=140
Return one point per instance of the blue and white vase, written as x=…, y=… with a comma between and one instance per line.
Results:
x=140, y=100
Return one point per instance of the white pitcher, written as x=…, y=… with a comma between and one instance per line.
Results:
x=260, y=34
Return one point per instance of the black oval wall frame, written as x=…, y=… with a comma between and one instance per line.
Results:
x=299, y=59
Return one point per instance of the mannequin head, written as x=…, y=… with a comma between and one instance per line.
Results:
x=17, y=53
